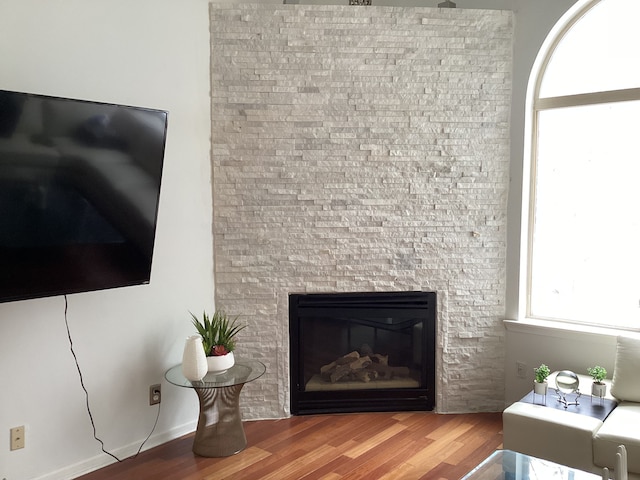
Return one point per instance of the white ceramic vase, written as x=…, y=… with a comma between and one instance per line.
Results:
x=194, y=361
x=220, y=363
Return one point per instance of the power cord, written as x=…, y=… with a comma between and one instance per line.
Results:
x=86, y=394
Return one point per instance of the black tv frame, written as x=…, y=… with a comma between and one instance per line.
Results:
x=104, y=174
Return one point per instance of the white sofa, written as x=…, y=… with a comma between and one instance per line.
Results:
x=581, y=441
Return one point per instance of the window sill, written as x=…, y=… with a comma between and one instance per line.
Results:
x=558, y=329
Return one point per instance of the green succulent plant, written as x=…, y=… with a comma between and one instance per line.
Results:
x=218, y=332
x=598, y=373
x=542, y=372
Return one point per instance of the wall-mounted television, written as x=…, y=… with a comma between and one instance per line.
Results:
x=79, y=192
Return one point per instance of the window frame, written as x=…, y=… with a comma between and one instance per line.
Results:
x=534, y=105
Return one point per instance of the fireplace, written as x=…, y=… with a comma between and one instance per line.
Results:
x=362, y=352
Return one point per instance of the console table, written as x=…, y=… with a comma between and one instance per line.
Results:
x=505, y=464
x=219, y=432
x=595, y=407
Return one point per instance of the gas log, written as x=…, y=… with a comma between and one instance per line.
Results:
x=364, y=368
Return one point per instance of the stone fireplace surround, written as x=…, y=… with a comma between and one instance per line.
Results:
x=363, y=151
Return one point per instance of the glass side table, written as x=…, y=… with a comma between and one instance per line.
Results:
x=219, y=432
x=509, y=465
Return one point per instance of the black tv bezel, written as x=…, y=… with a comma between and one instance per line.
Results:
x=96, y=256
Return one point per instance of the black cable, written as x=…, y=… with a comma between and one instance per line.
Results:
x=86, y=394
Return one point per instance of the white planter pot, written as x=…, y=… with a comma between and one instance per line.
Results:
x=221, y=363
x=598, y=389
x=194, y=361
x=540, y=388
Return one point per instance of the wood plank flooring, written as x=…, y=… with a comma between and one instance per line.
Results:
x=382, y=446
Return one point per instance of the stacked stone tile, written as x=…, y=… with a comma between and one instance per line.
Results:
x=363, y=150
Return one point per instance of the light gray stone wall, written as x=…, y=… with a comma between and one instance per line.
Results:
x=363, y=149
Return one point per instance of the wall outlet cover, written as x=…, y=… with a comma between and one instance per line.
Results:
x=17, y=438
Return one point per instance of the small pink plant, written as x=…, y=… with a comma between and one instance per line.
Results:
x=219, y=350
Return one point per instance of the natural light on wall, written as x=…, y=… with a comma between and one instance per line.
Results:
x=584, y=250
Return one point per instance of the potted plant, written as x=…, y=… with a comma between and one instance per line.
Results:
x=218, y=339
x=540, y=383
x=598, y=374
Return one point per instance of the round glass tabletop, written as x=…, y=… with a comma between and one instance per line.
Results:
x=242, y=372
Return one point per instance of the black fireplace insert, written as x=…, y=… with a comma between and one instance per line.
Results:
x=362, y=352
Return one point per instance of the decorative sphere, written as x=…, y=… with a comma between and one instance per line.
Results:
x=567, y=381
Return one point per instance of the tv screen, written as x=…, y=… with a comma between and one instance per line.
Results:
x=79, y=191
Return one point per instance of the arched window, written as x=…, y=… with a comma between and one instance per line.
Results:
x=583, y=230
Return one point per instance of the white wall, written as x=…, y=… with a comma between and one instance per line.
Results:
x=560, y=349
x=152, y=53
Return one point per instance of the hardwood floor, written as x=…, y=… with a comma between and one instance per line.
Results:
x=382, y=446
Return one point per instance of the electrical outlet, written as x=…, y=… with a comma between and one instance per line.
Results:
x=521, y=370
x=17, y=438
x=155, y=395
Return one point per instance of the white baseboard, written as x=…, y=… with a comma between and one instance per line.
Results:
x=99, y=461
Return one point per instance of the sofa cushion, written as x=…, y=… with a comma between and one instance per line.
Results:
x=626, y=374
x=620, y=428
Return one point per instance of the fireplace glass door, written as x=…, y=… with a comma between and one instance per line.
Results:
x=372, y=351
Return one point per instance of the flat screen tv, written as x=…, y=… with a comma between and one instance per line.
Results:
x=79, y=191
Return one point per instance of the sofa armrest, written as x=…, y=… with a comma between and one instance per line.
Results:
x=557, y=435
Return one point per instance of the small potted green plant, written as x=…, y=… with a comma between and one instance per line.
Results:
x=540, y=383
x=598, y=387
x=218, y=334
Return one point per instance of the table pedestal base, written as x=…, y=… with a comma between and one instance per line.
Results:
x=220, y=432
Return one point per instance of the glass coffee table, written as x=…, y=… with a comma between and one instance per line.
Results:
x=509, y=465
x=219, y=432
